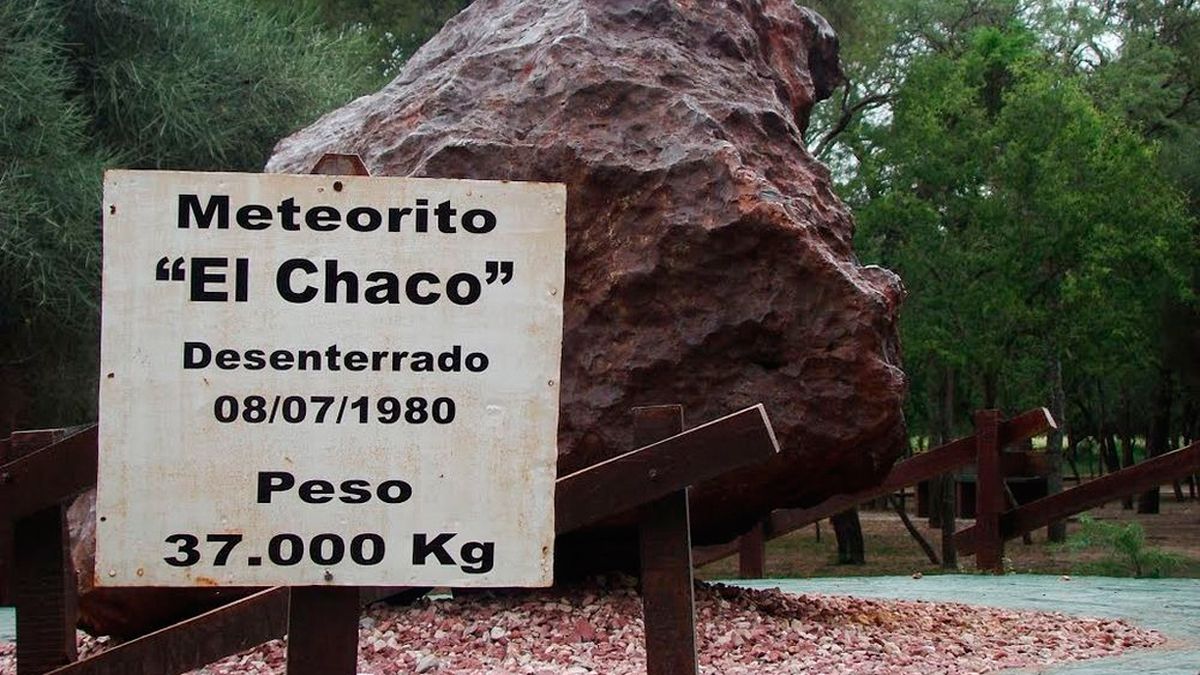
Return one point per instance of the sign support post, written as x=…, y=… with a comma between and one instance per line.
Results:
x=323, y=630
x=323, y=620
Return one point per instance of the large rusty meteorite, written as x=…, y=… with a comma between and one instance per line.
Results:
x=709, y=262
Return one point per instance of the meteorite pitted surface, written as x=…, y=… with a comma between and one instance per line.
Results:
x=709, y=262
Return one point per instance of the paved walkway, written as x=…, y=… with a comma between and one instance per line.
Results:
x=1171, y=606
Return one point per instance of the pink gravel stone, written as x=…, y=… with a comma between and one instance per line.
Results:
x=598, y=629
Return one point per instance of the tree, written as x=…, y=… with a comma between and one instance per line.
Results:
x=879, y=40
x=1154, y=82
x=847, y=529
x=1005, y=198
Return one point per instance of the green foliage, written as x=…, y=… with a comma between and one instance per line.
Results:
x=395, y=29
x=181, y=84
x=1031, y=225
x=1126, y=543
x=49, y=197
x=879, y=40
x=205, y=84
x=1153, y=82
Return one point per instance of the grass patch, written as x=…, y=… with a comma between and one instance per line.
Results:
x=1169, y=546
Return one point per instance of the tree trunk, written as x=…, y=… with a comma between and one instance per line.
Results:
x=945, y=416
x=1102, y=458
x=934, y=493
x=1057, y=530
x=1184, y=420
x=1127, y=461
x=1074, y=467
x=1104, y=434
x=1111, y=459
x=1126, y=441
x=1073, y=453
x=944, y=504
x=1190, y=429
x=848, y=530
x=991, y=385
x=898, y=505
x=942, y=432
x=1159, y=438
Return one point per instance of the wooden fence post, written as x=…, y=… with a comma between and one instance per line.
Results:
x=666, y=560
x=752, y=553
x=946, y=505
x=43, y=576
x=989, y=493
x=6, y=536
x=1040, y=512
x=45, y=592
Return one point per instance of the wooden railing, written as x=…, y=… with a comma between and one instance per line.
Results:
x=935, y=462
x=995, y=521
x=1146, y=475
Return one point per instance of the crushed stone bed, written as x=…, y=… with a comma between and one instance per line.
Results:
x=598, y=629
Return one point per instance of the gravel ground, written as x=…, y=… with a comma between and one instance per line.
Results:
x=598, y=629
x=1169, y=606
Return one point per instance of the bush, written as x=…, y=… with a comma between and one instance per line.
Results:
x=89, y=84
x=206, y=84
x=49, y=213
x=1126, y=543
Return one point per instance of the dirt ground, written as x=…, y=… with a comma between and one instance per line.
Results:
x=812, y=551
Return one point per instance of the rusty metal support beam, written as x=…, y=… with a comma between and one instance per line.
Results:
x=21, y=443
x=752, y=553
x=37, y=563
x=585, y=496
x=50, y=476
x=16, y=446
x=656, y=470
x=935, y=462
x=195, y=642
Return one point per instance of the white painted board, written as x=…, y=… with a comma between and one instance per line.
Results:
x=311, y=380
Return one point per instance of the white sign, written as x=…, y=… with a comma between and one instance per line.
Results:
x=311, y=380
